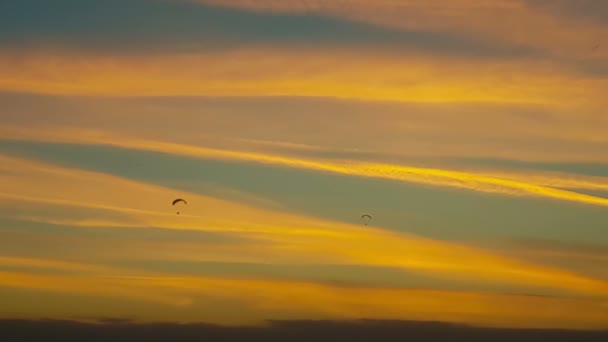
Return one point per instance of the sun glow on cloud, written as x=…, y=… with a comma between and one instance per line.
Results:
x=284, y=236
x=514, y=186
x=281, y=72
x=290, y=299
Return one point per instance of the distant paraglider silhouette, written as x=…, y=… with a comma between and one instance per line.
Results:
x=177, y=201
x=366, y=218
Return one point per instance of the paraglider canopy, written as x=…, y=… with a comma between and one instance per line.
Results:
x=366, y=218
x=177, y=201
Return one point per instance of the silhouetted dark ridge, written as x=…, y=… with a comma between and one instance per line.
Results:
x=119, y=329
x=108, y=329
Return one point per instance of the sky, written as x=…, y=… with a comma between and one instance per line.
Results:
x=473, y=132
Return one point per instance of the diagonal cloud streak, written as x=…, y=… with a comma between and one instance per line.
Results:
x=427, y=176
x=514, y=22
x=282, y=236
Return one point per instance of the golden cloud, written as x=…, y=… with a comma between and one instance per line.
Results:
x=493, y=21
x=383, y=130
x=292, y=299
x=338, y=73
x=517, y=185
x=283, y=237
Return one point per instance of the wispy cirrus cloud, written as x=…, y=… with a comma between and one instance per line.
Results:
x=477, y=181
x=75, y=277
x=349, y=129
x=588, y=258
x=52, y=264
x=292, y=299
x=199, y=27
x=85, y=285
x=491, y=28
x=513, y=22
x=380, y=76
x=282, y=236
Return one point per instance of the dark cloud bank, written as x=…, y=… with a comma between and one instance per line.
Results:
x=361, y=330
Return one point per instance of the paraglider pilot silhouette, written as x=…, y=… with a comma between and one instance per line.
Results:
x=177, y=201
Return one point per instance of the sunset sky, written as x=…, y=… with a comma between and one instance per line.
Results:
x=475, y=132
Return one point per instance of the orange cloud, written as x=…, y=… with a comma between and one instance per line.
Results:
x=513, y=186
x=147, y=204
x=383, y=130
x=556, y=180
x=283, y=237
x=52, y=264
x=406, y=77
x=84, y=285
x=382, y=303
x=262, y=299
x=588, y=258
x=493, y=21
x=84, y=278
x=117, y=248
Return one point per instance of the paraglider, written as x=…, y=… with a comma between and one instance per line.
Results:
x=177, y=201
x=366, y=218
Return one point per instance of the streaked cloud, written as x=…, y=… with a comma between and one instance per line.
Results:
x=380, y=76
x=558, y=180
x=284, y=236
x=86, y=285
x=349, y=302
x=592, y=10
x=84, y=278
x=290, y=299
x=383, y=131
x=428, y=176
x=592, y=259
x=183, y=26
x=511, y=22
x=50, y=264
